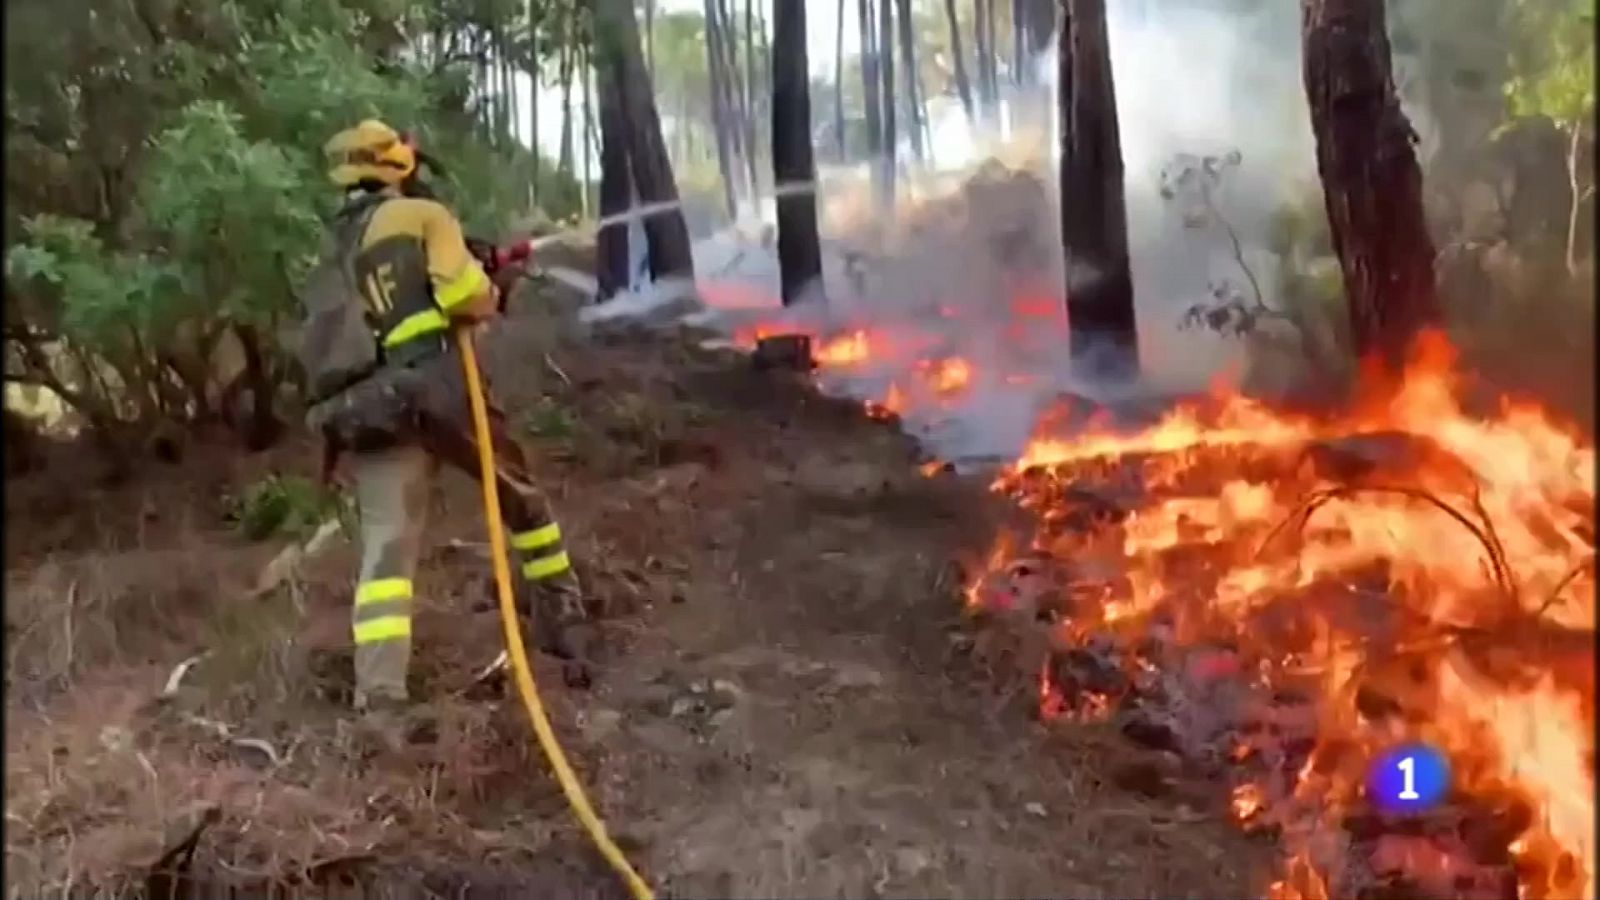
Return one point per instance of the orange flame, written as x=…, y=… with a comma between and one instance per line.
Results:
x=1475, y=523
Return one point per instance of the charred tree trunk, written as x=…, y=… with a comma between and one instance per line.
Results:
x=870, y=90
x=799, y=250
x=886, y=62
x=1371, y=183
x=838, y=85
x=963, y=86
x=647, y=153
x=616, y=187
x=1094, y=223
x=908, y=58
x=721, y=115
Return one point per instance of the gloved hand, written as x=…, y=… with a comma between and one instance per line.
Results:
x=505, y=280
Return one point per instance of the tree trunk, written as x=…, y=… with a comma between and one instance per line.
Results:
x=1094, y=225
x=650, y=36
x=497, y=87
x=263, y=429
x=838, y=85
x=480, y=82
x=1578, y=193
x=738, y=105
x=513, y=122
x=981, y=51
x=564, y=160
x=616, y=186
x=799, y=250
x=1019, y=41
x=720, y=114
x=991, y=60
x=533, y=130
x=908, y=57
x=1371, y=183
x=733, y=83
x=963, y=86
x=586, y=132
x=869, y=86
x=886, y=61
x=670, y=253
x=1040, y=16
x=751, y=154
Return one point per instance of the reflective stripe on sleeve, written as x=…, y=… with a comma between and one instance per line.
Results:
x=537, y=537
x=546, y=566
x=468, y=283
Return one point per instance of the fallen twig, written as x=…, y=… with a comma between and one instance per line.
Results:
x=1561, y=585
x=557, y=369
x=287, y=562
x=175, y=679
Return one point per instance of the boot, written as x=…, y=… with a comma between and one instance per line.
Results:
x=573, y=645
x=392, y=723
x=562, y=629
x=381, y=721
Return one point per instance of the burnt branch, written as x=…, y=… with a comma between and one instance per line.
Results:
x=1485, y=532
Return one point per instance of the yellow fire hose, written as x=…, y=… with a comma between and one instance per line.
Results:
x=514, y=646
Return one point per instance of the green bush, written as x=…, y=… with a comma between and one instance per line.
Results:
x=286, y=506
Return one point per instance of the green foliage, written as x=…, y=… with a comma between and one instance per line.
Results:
x=164, y=174
x=308, y=84
x=285, y=505
x=1552, y=60
x=236, y=216
x=550, y=420
x=105, y=298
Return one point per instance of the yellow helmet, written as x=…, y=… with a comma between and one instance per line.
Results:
x=371, y=151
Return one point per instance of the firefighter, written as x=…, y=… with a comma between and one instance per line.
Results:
x=409, y=264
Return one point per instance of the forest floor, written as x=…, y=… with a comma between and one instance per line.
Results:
x=784, y=709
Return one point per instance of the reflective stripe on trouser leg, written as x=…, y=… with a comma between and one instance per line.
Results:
x=544, y=557
x=557, y=599
x=392, y=494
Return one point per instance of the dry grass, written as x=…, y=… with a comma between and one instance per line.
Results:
x=776, y=540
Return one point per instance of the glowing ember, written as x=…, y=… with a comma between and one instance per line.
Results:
x=1247, y=801
x=947, y=376
x=1361, y=562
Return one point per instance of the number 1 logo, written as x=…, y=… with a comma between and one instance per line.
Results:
x=1408, y=779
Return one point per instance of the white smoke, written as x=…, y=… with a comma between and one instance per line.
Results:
x=1190, y=80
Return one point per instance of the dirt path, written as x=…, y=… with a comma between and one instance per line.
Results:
x=785, y=713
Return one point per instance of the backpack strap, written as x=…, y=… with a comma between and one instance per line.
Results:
x=351, y=222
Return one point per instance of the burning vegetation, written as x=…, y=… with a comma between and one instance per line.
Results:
x=1272, y=601
x=1277, y=600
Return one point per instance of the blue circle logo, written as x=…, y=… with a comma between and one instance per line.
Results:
x=1408, y=779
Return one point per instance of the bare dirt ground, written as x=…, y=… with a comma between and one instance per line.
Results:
x=784, y=710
